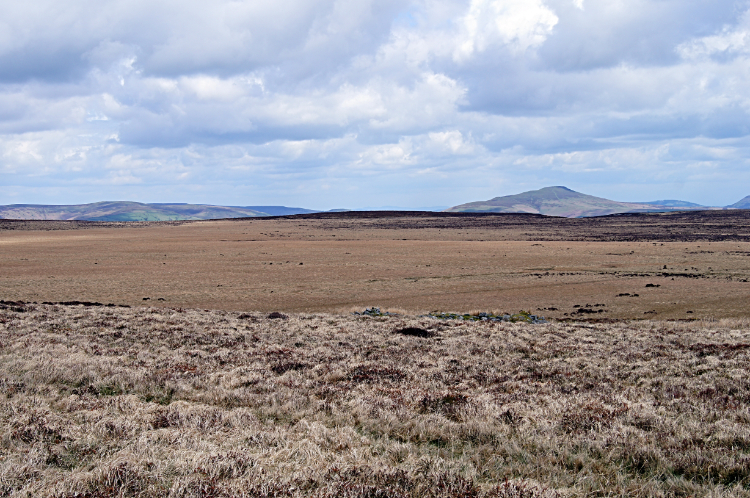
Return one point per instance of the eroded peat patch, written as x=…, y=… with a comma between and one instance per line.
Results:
x=109, y=401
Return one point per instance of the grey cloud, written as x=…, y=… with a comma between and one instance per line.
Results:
x=173, y=38
x=47, y=63
x=639, y=32
x=296, y=96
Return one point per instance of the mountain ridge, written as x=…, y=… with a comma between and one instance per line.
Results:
x=564, y=202
x=138, y=211
x=743, y=203
x=547, y=201
x=674, y=203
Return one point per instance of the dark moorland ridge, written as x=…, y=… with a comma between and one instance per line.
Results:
x=731, y=225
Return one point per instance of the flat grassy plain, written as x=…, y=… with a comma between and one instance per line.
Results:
x=696, y=265
x=205, y=394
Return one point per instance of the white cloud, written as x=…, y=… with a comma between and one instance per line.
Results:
x=452, y=142
x=244, y=98
x=732, y=41
x=522, y=24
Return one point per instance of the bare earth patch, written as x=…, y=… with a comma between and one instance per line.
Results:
x=100, y=401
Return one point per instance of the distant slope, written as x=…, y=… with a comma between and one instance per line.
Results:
x=560, y=201
x=434, y=209
x=674, y=204
x=125, y=211
x=278, y=210
x=741, y=204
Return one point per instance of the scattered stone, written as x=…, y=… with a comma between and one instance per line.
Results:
x=374, y=312
x=653, y=285
x=276, y=315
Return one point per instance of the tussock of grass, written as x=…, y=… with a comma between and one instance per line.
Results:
x=143, y=402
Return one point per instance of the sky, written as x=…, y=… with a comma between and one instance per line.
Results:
x=330, y=104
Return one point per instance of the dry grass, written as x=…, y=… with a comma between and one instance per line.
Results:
x=416, y=263
x=102, y=402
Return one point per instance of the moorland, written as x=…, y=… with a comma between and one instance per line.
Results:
x=669, y=265
x=141, y=402
x=222, y=358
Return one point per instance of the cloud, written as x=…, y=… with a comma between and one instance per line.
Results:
x=730, y=42
x=634, y=32
x=522, y=24
x=273, y=100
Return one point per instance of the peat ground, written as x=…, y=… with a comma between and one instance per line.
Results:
x=680, y=226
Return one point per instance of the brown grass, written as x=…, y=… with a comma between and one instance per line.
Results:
x=409, y=263
x=178, y=402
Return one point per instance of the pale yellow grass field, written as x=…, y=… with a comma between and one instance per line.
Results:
x=180, y=402
x=416, y=264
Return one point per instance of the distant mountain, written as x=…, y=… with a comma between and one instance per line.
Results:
x=561, y=201
x=435, y=209
x=278, y=210
x=675, y=204
x=136, y=211
x=741, y=204
x=402, y=208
